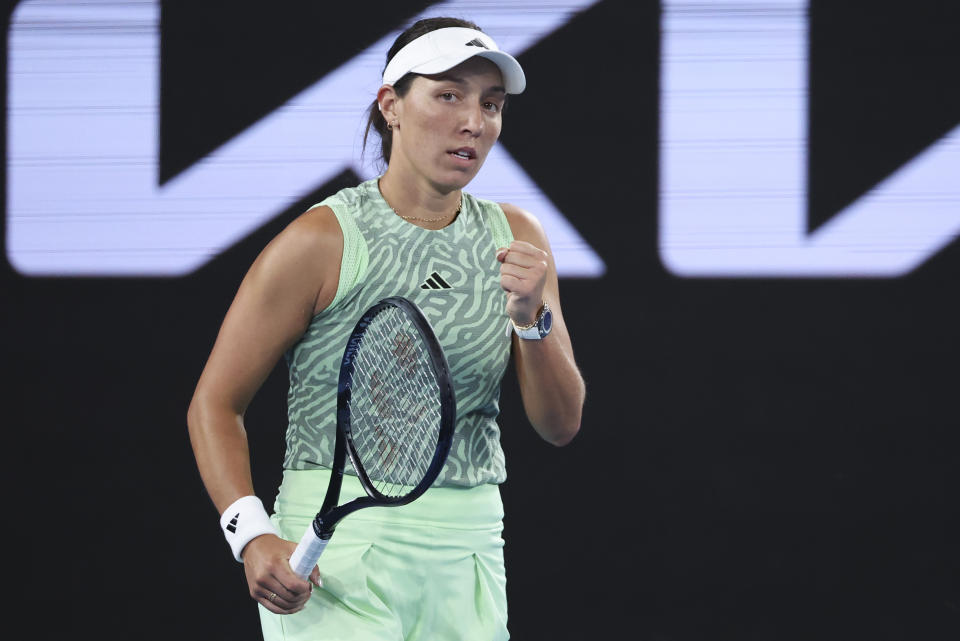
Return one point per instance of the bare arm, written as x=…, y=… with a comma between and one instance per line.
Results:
x=552, y=388
x=293, y=278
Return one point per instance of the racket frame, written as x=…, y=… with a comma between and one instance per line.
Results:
x=330, y=513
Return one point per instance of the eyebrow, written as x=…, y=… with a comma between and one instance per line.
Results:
x=460, y=81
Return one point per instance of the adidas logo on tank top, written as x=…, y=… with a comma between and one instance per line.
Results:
x=435, y=281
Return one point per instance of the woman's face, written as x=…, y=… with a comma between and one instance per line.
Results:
x=448, y=123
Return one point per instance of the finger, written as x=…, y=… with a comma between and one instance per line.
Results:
x=521, y=289
x=524, y=260
x=521, y=248
x=273, y=607
x=290, y=592
x=526, y=249
x=513, y=284
x=521, y=273
x=293, y=589
x=510, y=284
x=315, y=577
x=289, y=580
x=276, y=603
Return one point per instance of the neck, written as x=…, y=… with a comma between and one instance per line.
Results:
x=410, y=197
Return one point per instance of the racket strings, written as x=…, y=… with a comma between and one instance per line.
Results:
x=394, y=443
x=395, y=404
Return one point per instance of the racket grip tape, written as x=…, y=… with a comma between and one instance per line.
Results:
x=307, y=553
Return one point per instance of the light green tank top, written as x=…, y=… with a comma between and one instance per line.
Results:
x=453, y=276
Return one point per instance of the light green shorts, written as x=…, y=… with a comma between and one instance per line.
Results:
x=432, y=569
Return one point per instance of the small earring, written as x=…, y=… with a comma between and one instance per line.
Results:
x=394, y=124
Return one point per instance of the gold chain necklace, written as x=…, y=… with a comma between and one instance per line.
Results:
x=430, y=220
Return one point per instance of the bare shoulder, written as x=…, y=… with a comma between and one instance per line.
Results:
x=310, y=239
x=305, y=257
x=524, y=225
x=315, y=229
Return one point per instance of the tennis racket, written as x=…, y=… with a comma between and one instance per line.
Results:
x=395, y=418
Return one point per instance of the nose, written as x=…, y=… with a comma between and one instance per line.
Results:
x=474, y=121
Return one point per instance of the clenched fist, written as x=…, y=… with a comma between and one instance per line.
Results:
x=523, y=273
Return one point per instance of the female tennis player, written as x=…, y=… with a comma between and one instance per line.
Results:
x=484, y=276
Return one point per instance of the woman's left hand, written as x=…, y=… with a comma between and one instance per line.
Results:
x=523, y=274
x=550, y=382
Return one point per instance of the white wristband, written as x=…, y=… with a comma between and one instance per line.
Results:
x=243, y=521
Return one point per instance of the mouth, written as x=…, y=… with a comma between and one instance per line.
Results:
x=464, y=153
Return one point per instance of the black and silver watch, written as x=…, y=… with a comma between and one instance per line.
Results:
x=539, y=328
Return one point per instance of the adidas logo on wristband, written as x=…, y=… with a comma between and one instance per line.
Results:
x=249, y=521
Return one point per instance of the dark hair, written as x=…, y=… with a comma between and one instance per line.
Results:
x=375, y=119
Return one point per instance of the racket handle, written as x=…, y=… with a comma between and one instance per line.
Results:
x=308, y=551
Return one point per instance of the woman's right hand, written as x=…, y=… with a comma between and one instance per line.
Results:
x=294, y=277
x=271, y=581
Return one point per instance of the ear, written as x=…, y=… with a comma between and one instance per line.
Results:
x=389, y=101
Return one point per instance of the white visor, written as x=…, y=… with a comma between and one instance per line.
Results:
x=443, y=49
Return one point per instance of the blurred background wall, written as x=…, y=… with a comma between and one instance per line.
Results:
x=754, y=206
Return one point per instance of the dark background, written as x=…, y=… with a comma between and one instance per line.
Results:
x=759, y=458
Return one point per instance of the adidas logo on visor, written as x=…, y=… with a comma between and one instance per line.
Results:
x=476, y=42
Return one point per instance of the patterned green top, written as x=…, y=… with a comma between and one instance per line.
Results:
x=453, y=276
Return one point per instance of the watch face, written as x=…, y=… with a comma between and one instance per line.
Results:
x=546, y=323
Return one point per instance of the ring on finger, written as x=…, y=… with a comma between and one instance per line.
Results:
x=273, y=597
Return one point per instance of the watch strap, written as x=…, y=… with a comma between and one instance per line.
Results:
x=535, y=330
